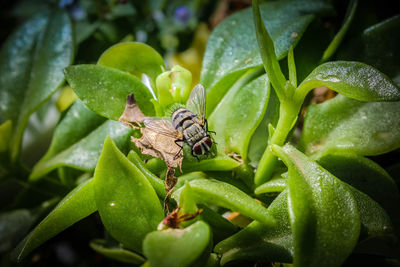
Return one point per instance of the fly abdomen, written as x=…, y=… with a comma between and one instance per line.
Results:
x=182, y=118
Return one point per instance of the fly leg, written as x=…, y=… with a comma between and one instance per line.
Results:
x=206, y=122
x=180, y=146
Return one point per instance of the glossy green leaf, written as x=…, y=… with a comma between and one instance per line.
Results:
x=377, y=234
x=375, y=221
x=31, y=64
x=259, y=242
x=219, y=163
x=210, y=191
x=128, y=205
x=238, y=114
x=155, y=182
x=221, y=227
x=286, y=21
x=259, y=140
x=267, y=51
x=273, y=185
x=83, y=154
x=344, y=124
x=77, y=123
x=133, y=57
x=77, y=205
x=366, y=176
x=116, y=253
x=377, y=46
x=176, y=247
x=323, y=212
x=104, y=90
x=352, y=79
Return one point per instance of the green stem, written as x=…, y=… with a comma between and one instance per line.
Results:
x=289, y=110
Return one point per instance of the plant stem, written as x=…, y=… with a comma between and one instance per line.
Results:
x=289, y=110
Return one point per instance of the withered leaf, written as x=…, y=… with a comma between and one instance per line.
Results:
x=160, y=146
x=132, y=114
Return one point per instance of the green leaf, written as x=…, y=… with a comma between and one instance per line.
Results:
x=135, y=58
x=331, y=49
x=83, y=154
x=344, y=124
x=259, y=242
x=259, y=140
x=31, y=64
x=104, y=90
x=286, y=21
x=323, y=212
x=77, y=123
x=221, y=227
x=366, y=176
x=176, y=247
x=77, y=205
x=267, y=51
x=377, y=234
x=128, y=205
x=210, y=191
x=377, y=46
x=116, y=253
x=274, y=185
x=238, y=114
x=352, y=79
x=219, y=163
x=155, y=182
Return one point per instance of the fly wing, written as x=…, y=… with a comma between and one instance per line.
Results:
x=161, y=125
x=197, y=102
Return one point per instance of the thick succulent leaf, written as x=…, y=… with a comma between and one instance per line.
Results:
x=78, y=122
x=267, y=51
x=213, y=192
x=31, y=64
x=220, y=163
x=259, y=140
x=377, y=235
x=83, y=154
x=238, y=114
x=323, y=212
x=221, y=227
x=156, y=182
x=286, y=21
x=135, y=58
x=259, y=242
x=366, y=176
x=128, y=205
x=116, y=253
x=344, y=124
x=104, y=89
x=352, y=79
x=277, y=184
x=176, y=247
x=378, y=47
x=77, y=205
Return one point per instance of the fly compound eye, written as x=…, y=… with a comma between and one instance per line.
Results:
x=208, y=141
x=197, y=149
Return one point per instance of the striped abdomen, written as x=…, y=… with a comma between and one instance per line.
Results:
x=187, y=123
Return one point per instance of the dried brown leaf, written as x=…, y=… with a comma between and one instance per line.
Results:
x=132, y=115
x=160, y=146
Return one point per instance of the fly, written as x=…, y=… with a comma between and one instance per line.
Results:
x=187, y=124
